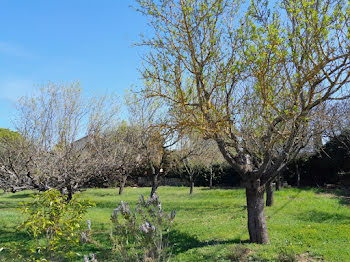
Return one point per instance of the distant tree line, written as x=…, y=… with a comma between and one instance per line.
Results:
x=329, y=165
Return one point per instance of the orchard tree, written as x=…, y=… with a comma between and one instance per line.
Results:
x=51, y=121
x=14, y=162
x=248, y=77
x=196, y=156
x=116, y=153
x=190, y=160
x=156, y=139
x=212, y=157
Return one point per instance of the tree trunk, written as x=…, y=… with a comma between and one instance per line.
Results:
x=269, y=194
x=278, y=183
x=69, y=193
x=154, y=185
x=122, y=184
x=256, y=213
x=211, y=178
x=298, y=175
x=191, y=187
x=70, y=196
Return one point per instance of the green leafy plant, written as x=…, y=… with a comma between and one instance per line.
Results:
x=142, y=234
x=54, y=221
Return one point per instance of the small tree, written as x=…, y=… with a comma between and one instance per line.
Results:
x=117, y=153
x=51, y=216
x=190, y=158
x=211, y=157
x=147, y=116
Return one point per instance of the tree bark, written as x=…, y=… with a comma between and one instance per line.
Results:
x=298, y=175
x=191, y=187
x=269, y=194
x=122, y=184
x=69, y=193
x=70, y=196
x=256, y=213
x=154, y=185
x=211, y=178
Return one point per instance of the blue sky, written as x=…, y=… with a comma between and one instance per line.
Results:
x=89, y=41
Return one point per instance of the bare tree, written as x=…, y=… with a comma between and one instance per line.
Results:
x=147, y=115
x=117, y=153
x=211, y=156
x=249, y=78
x=15, y=173
x=191, y=160
x=51, y=122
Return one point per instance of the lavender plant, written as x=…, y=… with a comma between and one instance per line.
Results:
x=142, y=234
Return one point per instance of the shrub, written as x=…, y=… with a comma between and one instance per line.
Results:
x=55, y=219
x=142, y=234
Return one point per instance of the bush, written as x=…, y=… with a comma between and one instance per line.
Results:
x=142, y=234
x=56, y=220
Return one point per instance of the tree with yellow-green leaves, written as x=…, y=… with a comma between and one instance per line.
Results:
x=251, y=77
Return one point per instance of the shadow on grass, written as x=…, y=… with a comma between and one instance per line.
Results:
x=220, y=188
x=343, y=196
x=183, y=242
x=9, y=204
x=291, y=199
x=13, y=236
x=107, y=204
x=103, y=194
x=19, y=196
x=323, y=217
x=18, y=245
x=187, y=206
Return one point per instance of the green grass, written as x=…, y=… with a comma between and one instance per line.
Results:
x=211, y=224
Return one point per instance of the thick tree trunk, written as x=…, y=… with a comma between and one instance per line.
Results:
x=154, y=185
x=256, y=213
x=269, y=194
x=122, y=184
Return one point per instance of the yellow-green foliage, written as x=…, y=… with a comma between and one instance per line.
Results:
x=51, y=215
x=8, y=135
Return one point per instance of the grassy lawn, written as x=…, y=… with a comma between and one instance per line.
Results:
x=211, y=224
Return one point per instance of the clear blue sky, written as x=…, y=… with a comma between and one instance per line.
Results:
x=66, y=40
